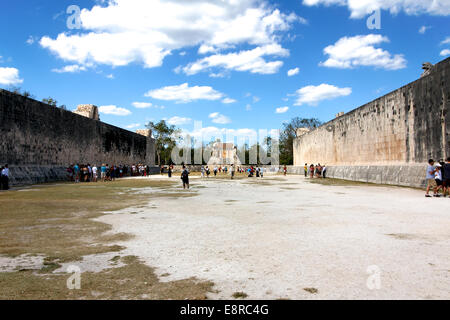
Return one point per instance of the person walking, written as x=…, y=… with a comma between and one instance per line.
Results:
x=185, y=177
x=438, y=178
x=233, y=171
x=261, y=172
x=324, y=172
x=306, y=170
x=170, y=172
x=285, y=170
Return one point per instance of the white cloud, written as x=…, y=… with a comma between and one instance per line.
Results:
x=228, y=101
x=247, y=60
x=219, y=118
x=9, y=76
x=360, y=9
x=293, y=72
x=110, y=76
x=312, y=95
x=423, y=29
x=121, y=32
x=446, y=41
x=256, y=99
x=142, y=105
x=114, y=110
x=351, y=52
x=133, y=126
x=70, y=69
x=30, y=40
x=177, y=121
x=184, y=94
x=248, y=107
x=445, y=52
x=282, y=110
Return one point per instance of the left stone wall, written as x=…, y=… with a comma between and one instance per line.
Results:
x=39, y=141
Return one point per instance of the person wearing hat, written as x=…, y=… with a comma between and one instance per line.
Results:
x=5, y=177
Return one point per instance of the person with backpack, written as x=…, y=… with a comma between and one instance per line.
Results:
x=185, y=177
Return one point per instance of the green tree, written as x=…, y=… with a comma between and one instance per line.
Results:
x=50, y=101
x=289, y=134
x=165, y=140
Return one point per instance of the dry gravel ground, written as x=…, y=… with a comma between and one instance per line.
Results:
x=287, y=238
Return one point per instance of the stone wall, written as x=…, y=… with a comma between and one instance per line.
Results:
x=403, y=128
x=38, y=140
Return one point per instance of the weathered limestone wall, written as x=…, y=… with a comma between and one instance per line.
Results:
x=405, y=127
x=38, y=140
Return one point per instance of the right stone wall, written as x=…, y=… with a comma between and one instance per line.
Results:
x=388, y=140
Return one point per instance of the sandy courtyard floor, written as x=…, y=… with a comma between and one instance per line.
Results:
x=274, y=238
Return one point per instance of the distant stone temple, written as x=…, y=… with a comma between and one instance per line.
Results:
x=89, y=111
x=224, y=154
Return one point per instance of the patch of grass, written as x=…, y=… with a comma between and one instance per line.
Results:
x=240, y=295
x=311, y=290
x=133, y=281
x=57, y=220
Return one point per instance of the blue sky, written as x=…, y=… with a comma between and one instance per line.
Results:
x=183, y=60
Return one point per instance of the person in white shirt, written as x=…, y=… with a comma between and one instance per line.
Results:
x=431, y=182
x=94, y=173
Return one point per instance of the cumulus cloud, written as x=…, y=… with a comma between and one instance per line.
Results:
x=293, y=72
x=9, y=76
x=446, y=41
x=184, y=94
x=177, y=121
x=142, y=105
x=445, y=52
x=228, y=101
x=359, y=8
x=357, y=51
x=70, y=69
x=247, y=60
x=312, y=95
x=114, y=110
x=121, y=32
x=133, y=126
x=282, y=110
x=219, y=118
x=423, y=29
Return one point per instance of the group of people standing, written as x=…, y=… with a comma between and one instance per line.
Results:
x=4, y=177
x=438, y=178
x=87, y=173
x=317, y=171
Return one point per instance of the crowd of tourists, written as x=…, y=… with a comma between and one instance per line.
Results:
x=4, y=177
x=315, y=171
x=438, y=178
x=87, y=173
x=251, y=171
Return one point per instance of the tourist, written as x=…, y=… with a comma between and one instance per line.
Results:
x=431, y=182
x=438, y=178
x=446, y=177
x=208, y=172
x=285, y=170
x=232, y=171
x=306, y=170
x=215, y=171
x=261, y=172
x=76, y=170
x=257, y=172
x=103, y=172
x=70, y=173
x=324, y=172
x=203, y=172
x=94, y=173
x=170, y=172
x=185, y=177
x=311, y=171
x=4, y=178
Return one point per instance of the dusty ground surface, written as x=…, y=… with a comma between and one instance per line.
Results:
x=276, y=238
x=287, y=238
